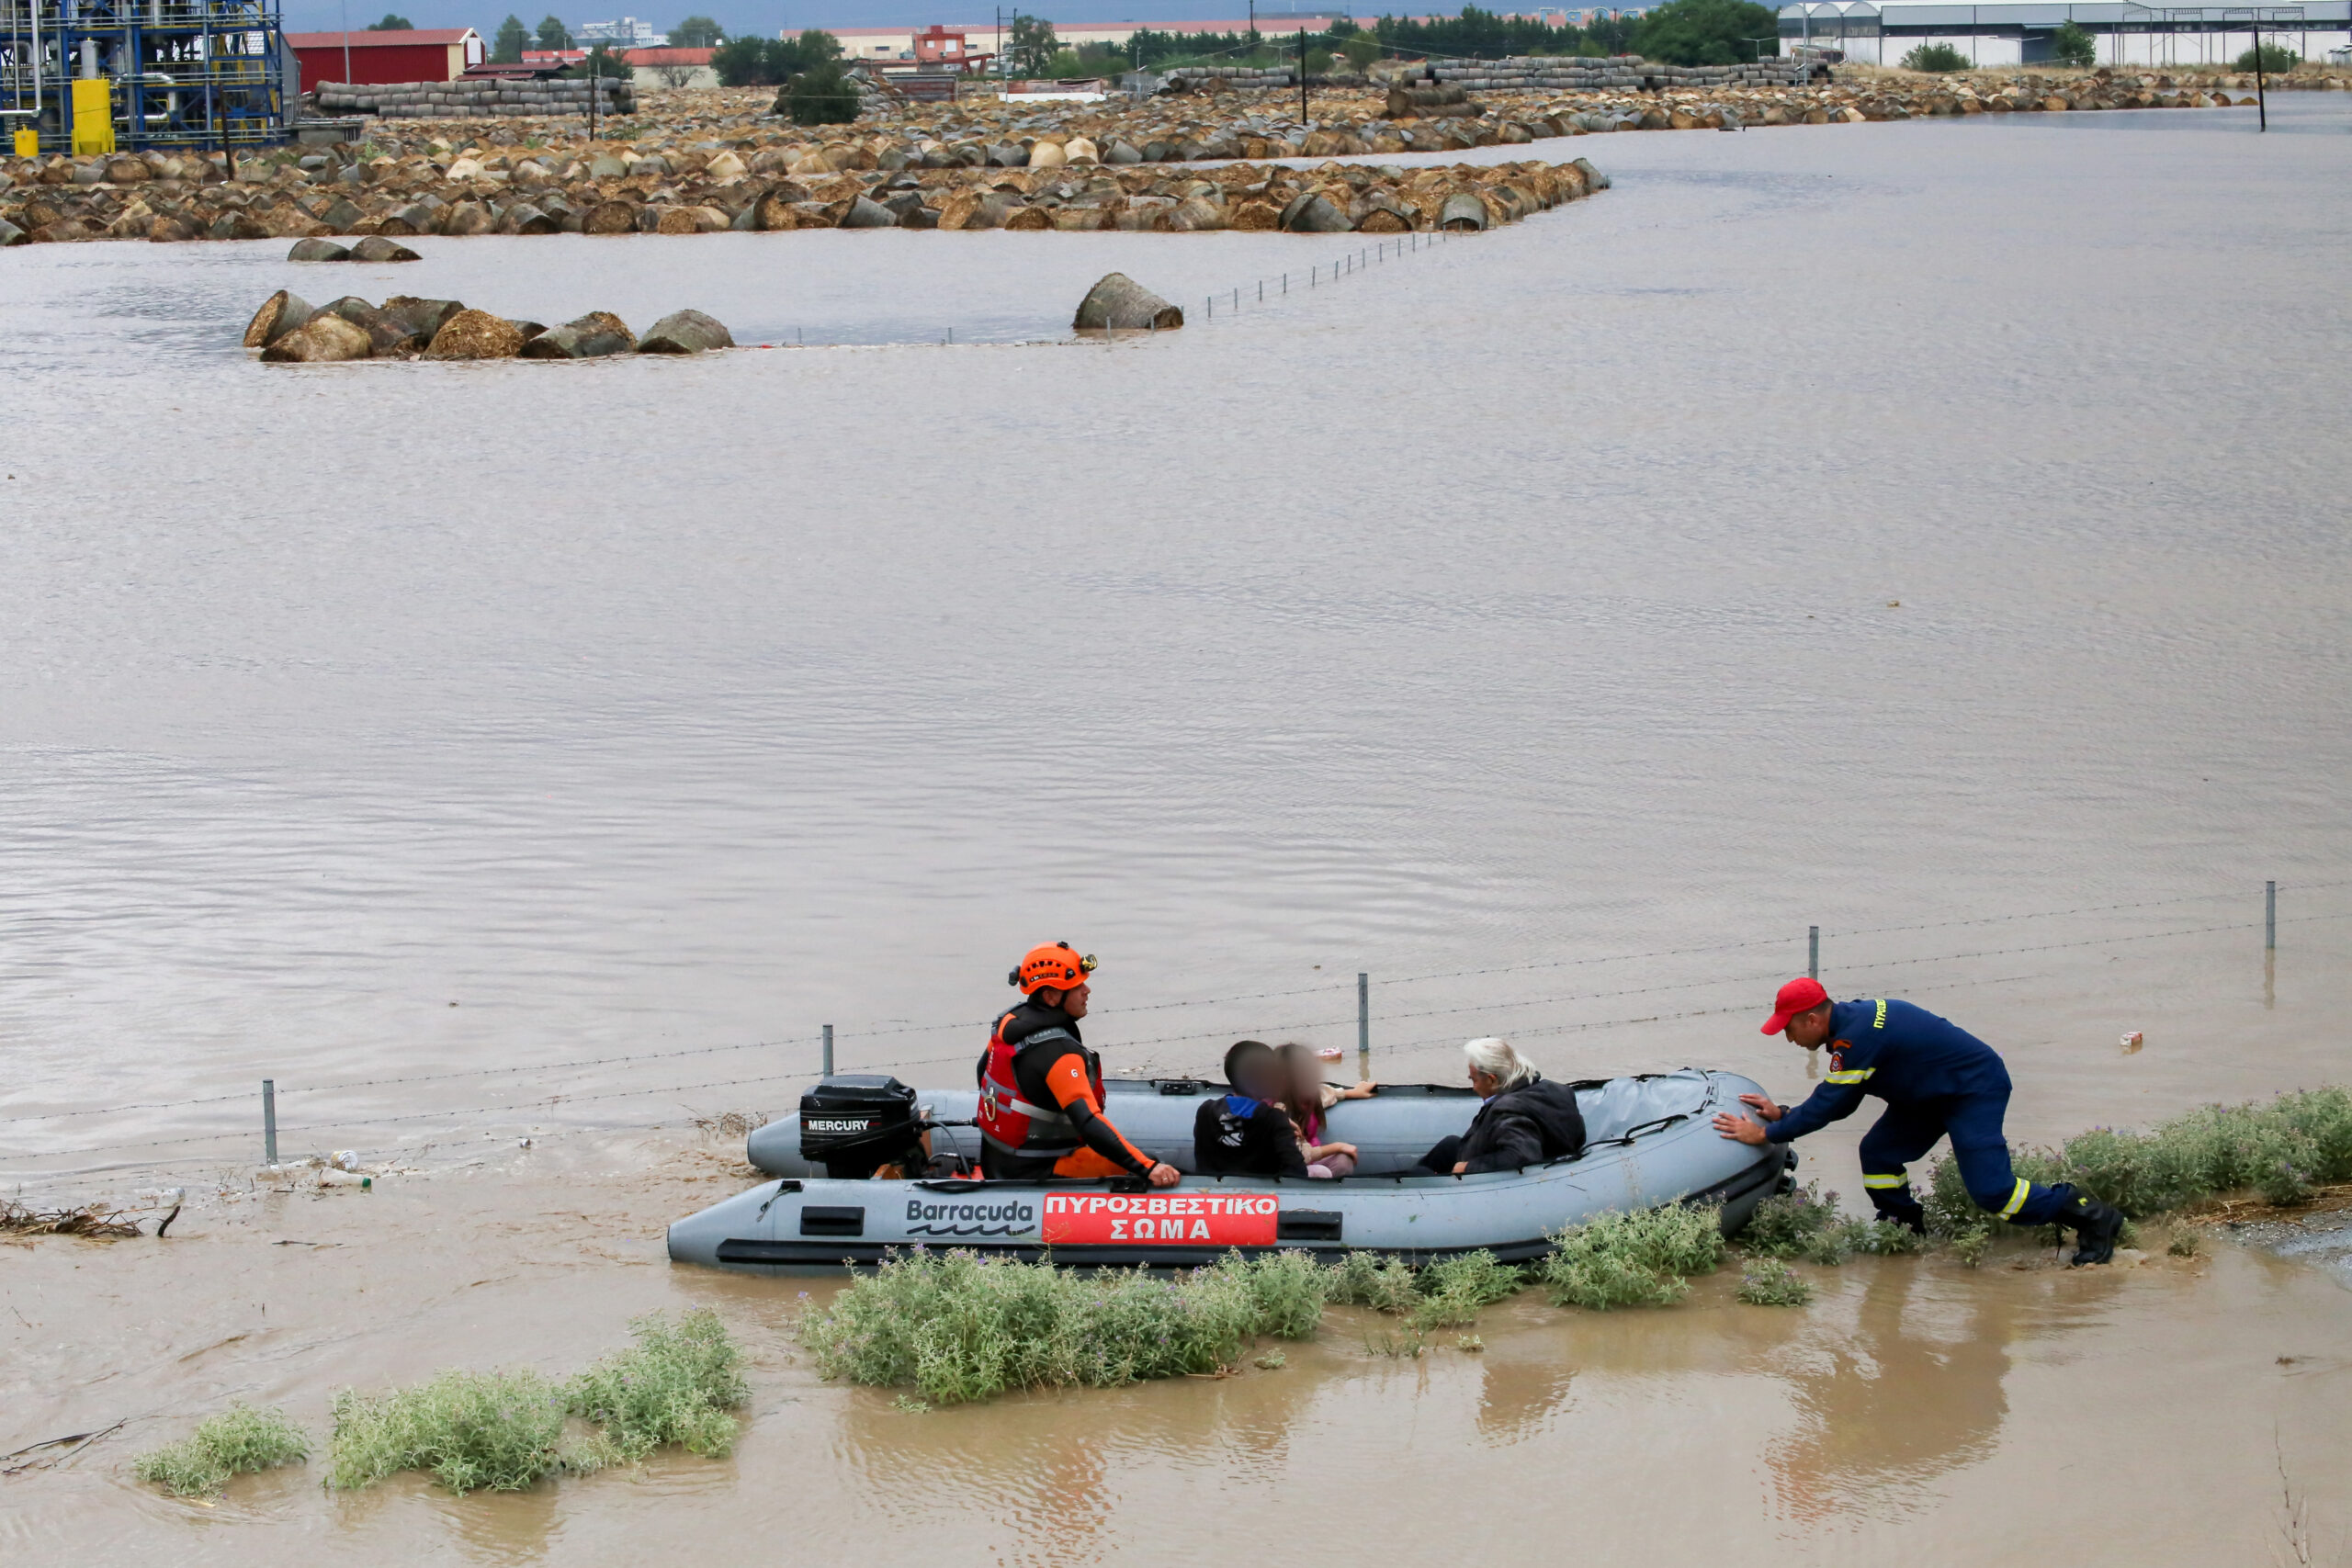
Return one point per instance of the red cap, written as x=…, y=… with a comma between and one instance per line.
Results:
x=1800, y=995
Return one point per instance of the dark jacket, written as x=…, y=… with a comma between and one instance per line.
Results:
x=1536, y=1122
x=1235, y=1135
x=1902, y=1054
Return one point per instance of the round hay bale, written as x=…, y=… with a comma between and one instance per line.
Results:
x=476, y=334
x=322, y=340
x=279, y=314
x=685, y=331
x=1119, y=303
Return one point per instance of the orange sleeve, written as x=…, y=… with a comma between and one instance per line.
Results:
x=1066, y=1080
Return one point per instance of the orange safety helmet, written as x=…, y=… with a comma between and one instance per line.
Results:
x=1057, y=965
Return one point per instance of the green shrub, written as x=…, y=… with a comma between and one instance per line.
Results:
x=1641, y=1259
x=1767, y=1282
x=238, y=1440
x=1935, y=57
x=1791, y=1224
x=2184, y=1243
x=676, y=1384
x=820, y=95
x=2273, y=57
x=2072, y=45
x=1453, y=1292
x=500, y=1431
x=959, y=1327
x=1368, y=1280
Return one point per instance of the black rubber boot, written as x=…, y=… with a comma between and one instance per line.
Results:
x=2097, y=1226
x=1900, y=1208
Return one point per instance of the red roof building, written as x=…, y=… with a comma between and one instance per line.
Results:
x=426, y=54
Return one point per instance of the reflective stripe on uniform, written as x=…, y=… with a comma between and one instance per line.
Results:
x=1883, y=1182
x=2016, y=1198
x=1854, y=1075
x=1880, y=1021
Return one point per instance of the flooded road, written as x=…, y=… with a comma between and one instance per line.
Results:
x=1930, y=531
x=1918, y=1408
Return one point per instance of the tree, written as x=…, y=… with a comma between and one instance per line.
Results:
x=1704, y=32
x=553, y=34
x=2274, y=57
x=697, y=32
x=1938, y=56
x=817, y=46
x=821, y=95
x=743, y=62
x=2072, y=45
x=393, y=22
x=1031, y=48
x=1361, y=49
x=512, y=39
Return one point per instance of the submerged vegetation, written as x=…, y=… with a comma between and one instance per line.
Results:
x=468, y=1431
x=1641, y=1259
x=238, y=1441
x=958, y=1327
x=675, y=1385
x=502, y=1431
x=1767, y=1282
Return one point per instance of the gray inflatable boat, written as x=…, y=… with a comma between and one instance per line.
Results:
x=1650, y=1144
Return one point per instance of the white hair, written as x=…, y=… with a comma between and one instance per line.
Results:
x=1497, y=1060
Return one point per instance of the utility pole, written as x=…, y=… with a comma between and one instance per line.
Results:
x=1302, y=78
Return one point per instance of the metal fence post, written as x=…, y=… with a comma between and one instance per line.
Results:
x=1813, y=951
x=2269, y=917
x=829, y=1050
x=1364, y=1025
x=269, y=1121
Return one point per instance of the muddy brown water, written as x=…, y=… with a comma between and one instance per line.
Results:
x=1931, y=532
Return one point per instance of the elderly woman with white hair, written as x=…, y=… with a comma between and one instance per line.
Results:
x=1526, y=1119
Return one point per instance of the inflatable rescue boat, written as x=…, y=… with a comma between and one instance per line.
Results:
x=1651, y=1143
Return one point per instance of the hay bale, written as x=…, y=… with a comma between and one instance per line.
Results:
x=685, y=331
x=318, y=251
x=1119, y=303
x=476, y=334
x=1462, y=211
x=609, y=217
x=591, y=336
x=281, y=314
x=322, y=340
x=377, y=248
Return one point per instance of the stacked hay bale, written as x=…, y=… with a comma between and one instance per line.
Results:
x=1190, y=78
x=1541, y=74
x=476, y=98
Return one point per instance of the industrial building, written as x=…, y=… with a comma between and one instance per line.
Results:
x=371, y=59
x=1881, y=32
x=104, y=76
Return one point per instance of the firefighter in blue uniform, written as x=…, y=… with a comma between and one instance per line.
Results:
x=1937, y=1079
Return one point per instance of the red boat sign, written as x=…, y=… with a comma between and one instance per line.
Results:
x=1180, y=1219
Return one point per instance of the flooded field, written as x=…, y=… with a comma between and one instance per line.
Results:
x=1930, y=532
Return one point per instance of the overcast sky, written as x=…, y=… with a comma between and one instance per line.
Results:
x=767, y=17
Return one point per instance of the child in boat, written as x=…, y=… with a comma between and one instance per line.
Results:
x=1308, y=1099
x=1246, y=1132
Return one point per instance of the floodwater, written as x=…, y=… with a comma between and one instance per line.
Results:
x=1930, y=531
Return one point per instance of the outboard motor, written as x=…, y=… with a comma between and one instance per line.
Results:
x=851, y=1123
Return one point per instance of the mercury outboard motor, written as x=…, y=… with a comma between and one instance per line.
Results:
x=851, y=1123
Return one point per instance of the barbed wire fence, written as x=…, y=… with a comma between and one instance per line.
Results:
x=877, y=1049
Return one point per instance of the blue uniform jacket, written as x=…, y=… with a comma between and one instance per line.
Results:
x=1899, y=1052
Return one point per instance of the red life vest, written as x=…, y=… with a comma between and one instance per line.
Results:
x=1012, y=1121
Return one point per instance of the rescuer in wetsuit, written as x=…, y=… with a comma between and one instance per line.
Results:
x=1937, y=1078
x=1040, y=1089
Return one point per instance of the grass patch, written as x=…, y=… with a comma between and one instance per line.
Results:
x=2184, y=1243
x=958, y=1327
x=2283, y=1150
x=1453, y=1292
x=1806, y=1223
x=468, y=1431
x=676, y=1384
x=1643, y=1258
x=1767, y=1282
x=238, y=1441
x=1366, y=1279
